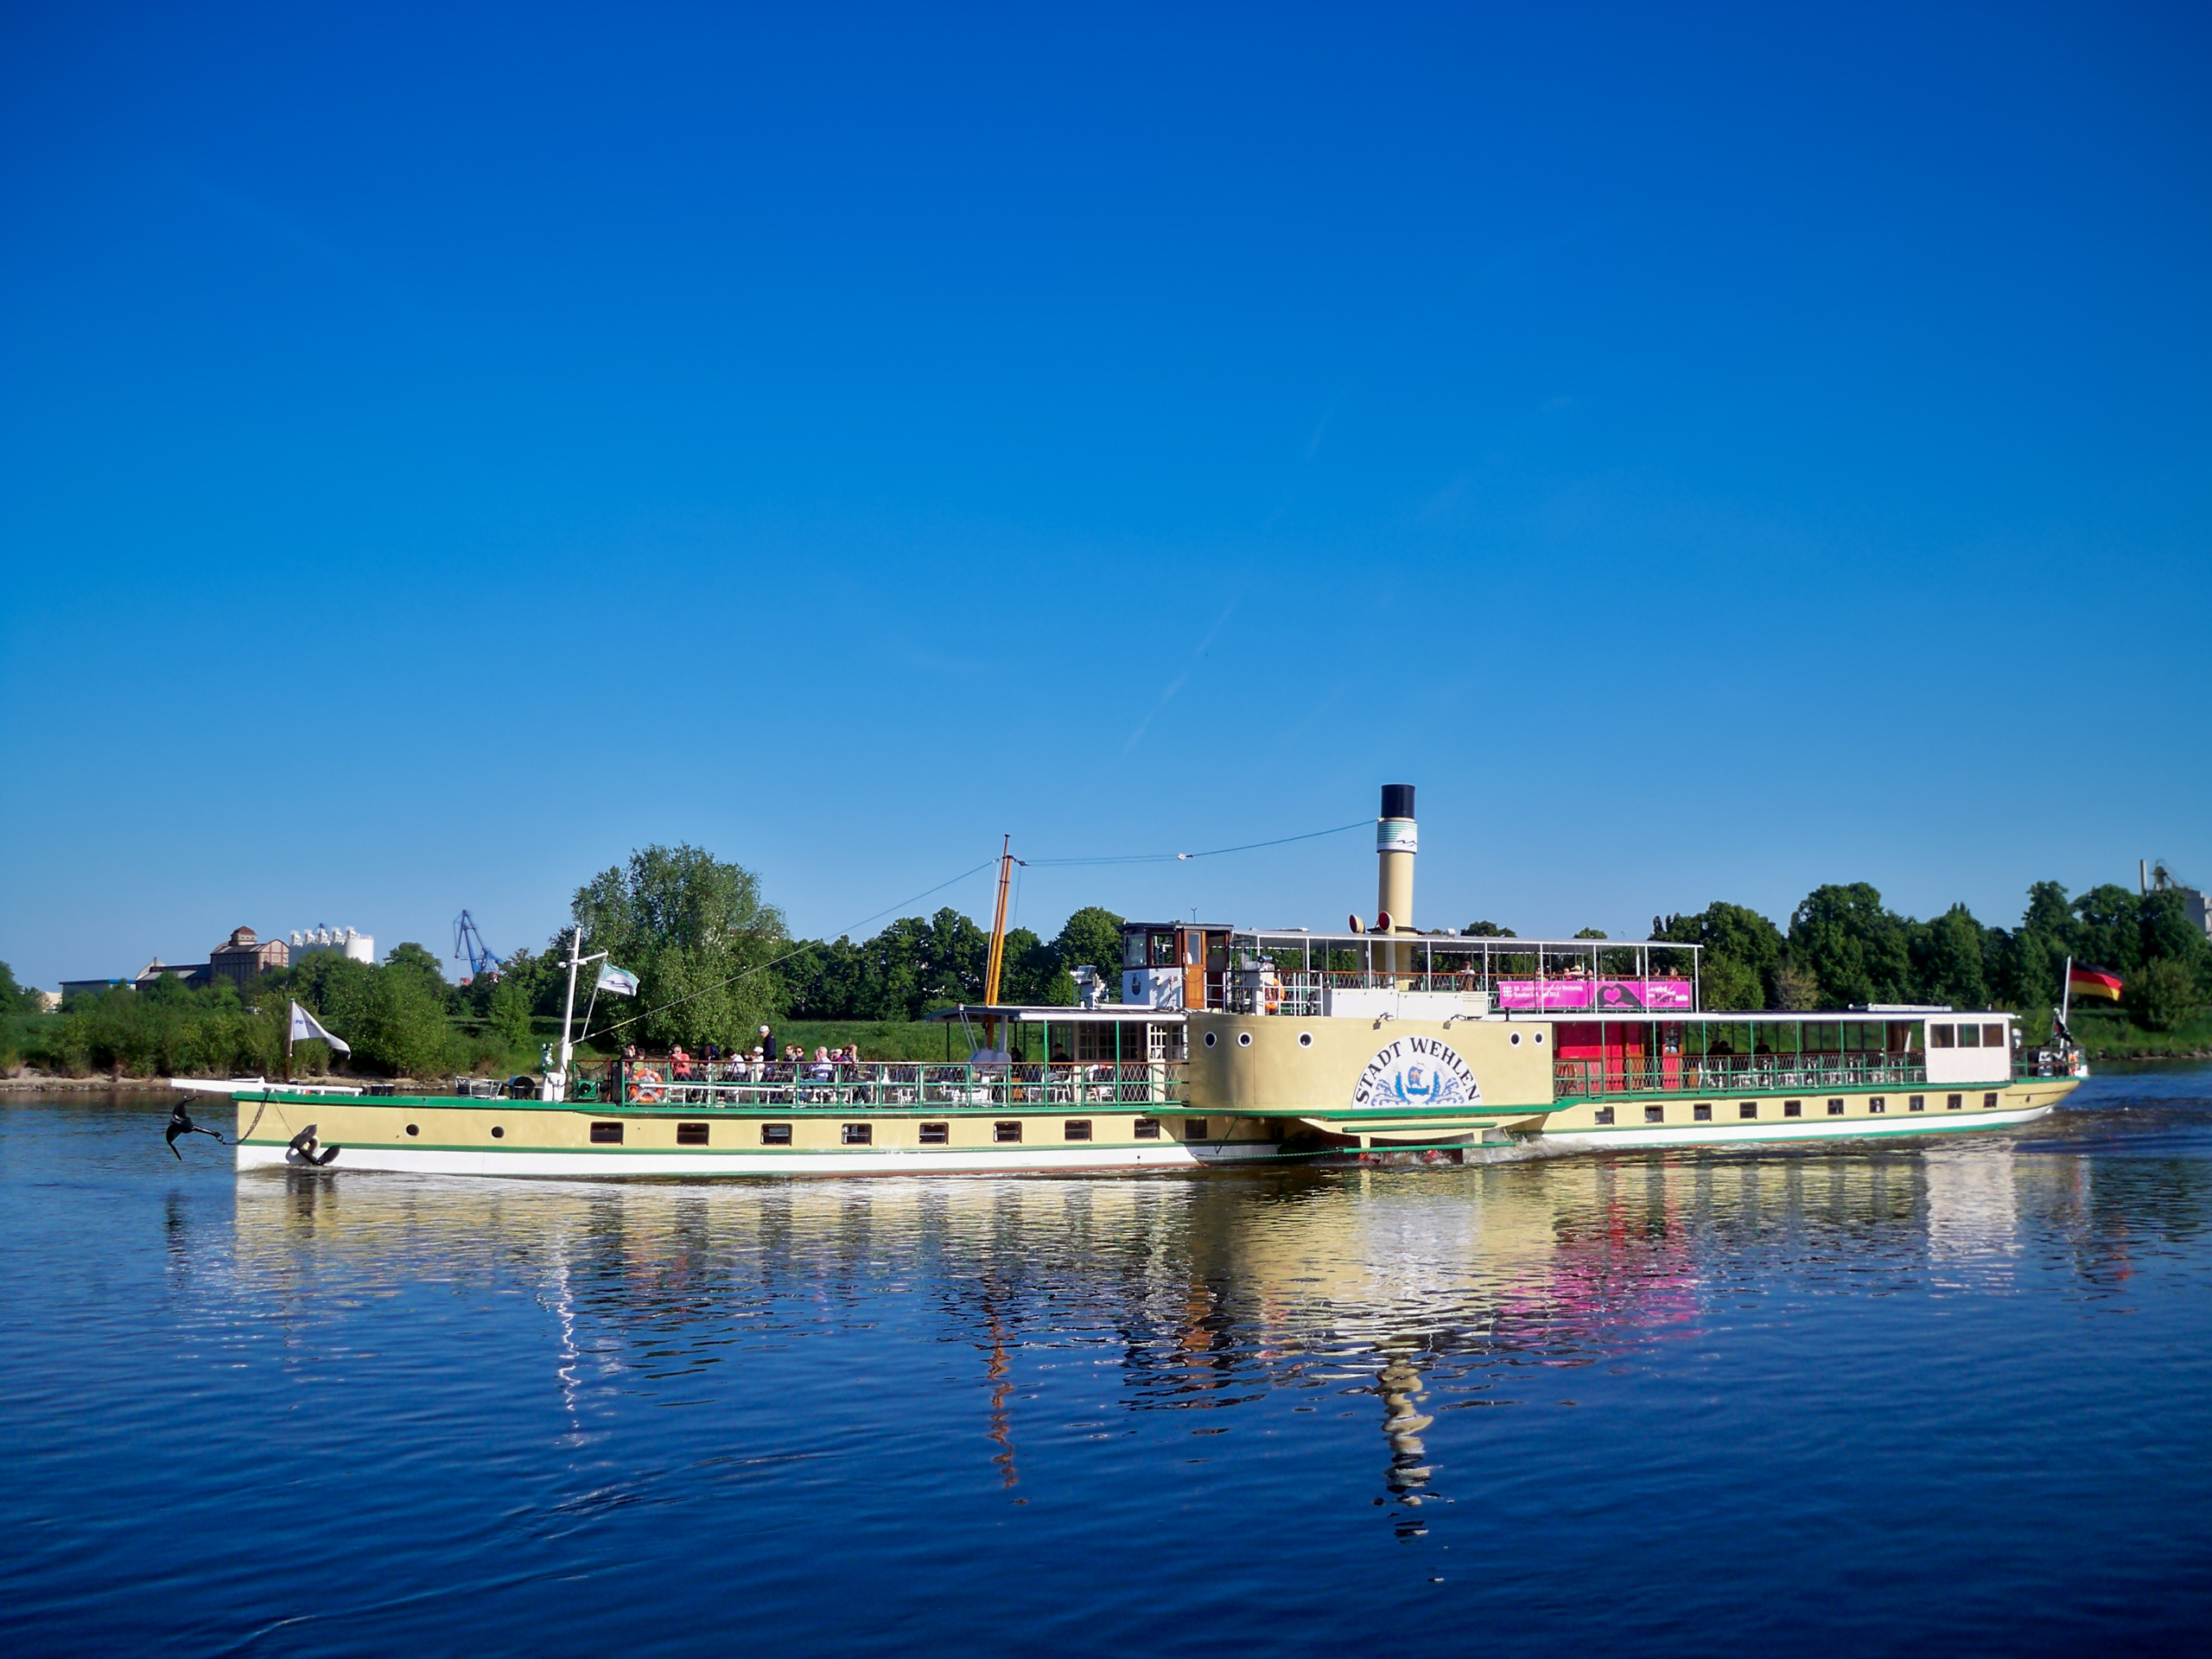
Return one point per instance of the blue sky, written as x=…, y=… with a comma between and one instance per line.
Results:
x=1710, y=452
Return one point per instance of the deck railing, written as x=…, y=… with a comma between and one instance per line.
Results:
x=1299, y=993
x=838, y=1085
x=1718, y=1075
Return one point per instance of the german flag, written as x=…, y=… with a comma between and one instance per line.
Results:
x=2095, y=981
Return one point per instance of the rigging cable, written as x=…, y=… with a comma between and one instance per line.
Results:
x=1217, y=852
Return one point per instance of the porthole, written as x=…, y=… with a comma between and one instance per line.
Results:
x=1539, y=1039
x=1515, y=1039
x=1305, y=1040
x=1212, y=1037
x=499, y=1134
x=1243, y=1040
x=414, y=1128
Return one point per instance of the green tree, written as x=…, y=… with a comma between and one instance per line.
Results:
x=14, y=999
x=1948, y=960
x=1795, y=988
x=2161, y=994
x=1591, y=933
x=1741, y=951
x=698, y=935
x=2109, y=931
x=1857, y=950
x=2168, y=935
x=1487, y=931
x=1725, y=982
x=1091, y=936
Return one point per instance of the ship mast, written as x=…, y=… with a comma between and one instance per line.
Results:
x=998, y=942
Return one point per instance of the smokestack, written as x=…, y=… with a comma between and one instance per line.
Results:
x=1396, y=842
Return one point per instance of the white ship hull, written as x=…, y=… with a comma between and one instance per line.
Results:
x=710, y=1165
x=1727, y=1134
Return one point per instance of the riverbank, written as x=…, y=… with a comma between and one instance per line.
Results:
x=2111, y=1036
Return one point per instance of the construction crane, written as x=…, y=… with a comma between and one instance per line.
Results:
x=468, y=943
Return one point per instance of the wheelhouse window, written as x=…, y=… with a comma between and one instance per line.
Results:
x=1969, y=1036
x=1942, y=1037
x=1992, y=1036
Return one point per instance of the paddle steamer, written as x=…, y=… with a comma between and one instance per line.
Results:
x=1234, y=1047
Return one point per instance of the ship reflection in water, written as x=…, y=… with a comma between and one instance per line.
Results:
x=1086, y=1308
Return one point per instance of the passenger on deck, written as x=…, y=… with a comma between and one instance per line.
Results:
x=757, y=1067
x=766, y=1044
x=679, y=1064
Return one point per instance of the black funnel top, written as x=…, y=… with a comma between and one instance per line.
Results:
x=1397, y=800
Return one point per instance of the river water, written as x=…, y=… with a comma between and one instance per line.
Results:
x=1954, y=1393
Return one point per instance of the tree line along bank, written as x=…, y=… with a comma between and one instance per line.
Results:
x=715, y=962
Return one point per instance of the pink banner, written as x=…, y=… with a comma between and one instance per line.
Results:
x=1598, y=996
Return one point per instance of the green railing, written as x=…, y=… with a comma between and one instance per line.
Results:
x=843, y=1085
x=1588, y=1079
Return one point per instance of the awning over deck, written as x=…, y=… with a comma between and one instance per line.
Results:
x=1118, y=1013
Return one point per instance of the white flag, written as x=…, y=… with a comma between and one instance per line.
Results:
x=306, y=1028
x=620, y=981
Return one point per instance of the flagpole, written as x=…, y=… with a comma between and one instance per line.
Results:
x=289, y=1023
x=568, y=1014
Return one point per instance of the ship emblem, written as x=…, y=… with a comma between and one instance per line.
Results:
x=1420, y=1073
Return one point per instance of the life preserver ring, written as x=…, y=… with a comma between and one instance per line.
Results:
x=648, y=1088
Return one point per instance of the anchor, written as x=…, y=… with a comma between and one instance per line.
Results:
x=301, y=1151
x=181, y=1123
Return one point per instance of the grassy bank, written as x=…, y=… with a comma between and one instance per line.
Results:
x=2111, y=1036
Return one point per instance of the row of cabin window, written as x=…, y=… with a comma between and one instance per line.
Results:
x=1989, y=1036
x=863, y=1135
x=1702, y=1112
